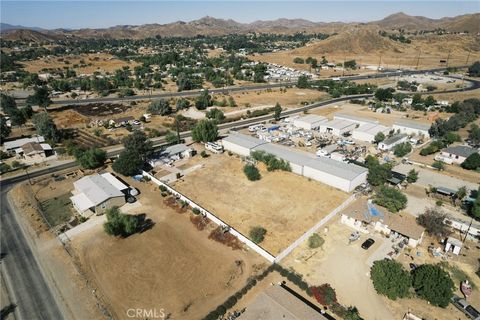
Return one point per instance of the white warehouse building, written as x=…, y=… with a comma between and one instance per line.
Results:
x=391, y=142
x=367, y=132
x=240, y=144
x=412, y=128
x=338, y=127
x=358, y=120
x=343, y=176
x=309, y=122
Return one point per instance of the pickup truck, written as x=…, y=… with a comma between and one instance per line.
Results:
x=465, y=307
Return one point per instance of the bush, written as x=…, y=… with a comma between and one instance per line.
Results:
x=390, y=279
x=4, y=167
x=204, y=154
x=438, y=165
x=315, y=241
x=196, y=211
x=272, y=162
x=119, y=224
x=402, y=149
x=472, y=162
x=433, y=147
x=324, y=294
x=390, y=198
x=257, y=234
x=433, y=284
x=252, y=172
x=160, y=107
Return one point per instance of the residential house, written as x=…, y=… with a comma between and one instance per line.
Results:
x=456, y=154
x=97, y=193
x=15, y=144
x=34, y=152
x=392, y=141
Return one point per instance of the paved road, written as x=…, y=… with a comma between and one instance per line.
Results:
x=25, y=281
x=227, y=90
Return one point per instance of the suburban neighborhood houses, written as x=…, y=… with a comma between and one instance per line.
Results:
x=164, y=163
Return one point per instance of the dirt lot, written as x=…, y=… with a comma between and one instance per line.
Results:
x=93, y=62
x=277, y=200
x=169, y=266
x=383, y=118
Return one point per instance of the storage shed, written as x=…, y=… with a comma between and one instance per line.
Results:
x=338, y=127
x=240, y=144
x=367, y=132
x=391, y=142
x=309, y=122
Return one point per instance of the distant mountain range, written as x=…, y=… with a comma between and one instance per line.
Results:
x=213, y=26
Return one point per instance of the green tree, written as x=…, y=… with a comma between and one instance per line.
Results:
x=45, y=126
x=390, y=279
x=205, y=131
x=277, y=111
x=298, y=60
x=315, y=241
x=231, y=102
x=127, y=163
x=438, y=165
x=433, y=284
x=215, y=114
x=4, y=129
x=161, y=107
x=474, y=69
x=450, y=138
x=119, y=224
x=379, y=137
x=475, y=210
x=378, y=173
x=40, y=97
x=302, y=82
x=352, y=314
x=350, y=64
x=91, y=158
x=257, y=234
x=390, y=198
x=251, y=172
x=182, y=104
x=138, y=144
x=472, y=162
x=429, y=101
x=474, y=133
x=384, y=94
x=402, y=149
x=203, y=101
x=433, y=220
x=171, y=137
x=412, y=176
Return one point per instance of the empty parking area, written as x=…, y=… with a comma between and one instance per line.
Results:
x=283, y=203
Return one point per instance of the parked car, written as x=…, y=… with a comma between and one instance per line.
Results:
x=465, y=307
x=368, y=243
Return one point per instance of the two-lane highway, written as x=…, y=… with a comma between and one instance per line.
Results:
x=23, y=276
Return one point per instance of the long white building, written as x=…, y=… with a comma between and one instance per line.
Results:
x=412, y=128
x=358, y=120
x=309, y=122
x=367, y=132
x=338, y=127
x=337, y=174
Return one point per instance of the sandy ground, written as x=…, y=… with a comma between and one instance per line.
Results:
x=168, y=267
x=278, y=200
x=99, y=62
x=344, y=267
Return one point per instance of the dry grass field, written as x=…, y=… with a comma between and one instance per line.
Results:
x=171, y=266
x=93, y=62
x=283, y=203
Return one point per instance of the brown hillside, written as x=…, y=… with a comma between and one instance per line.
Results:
x=29, y=35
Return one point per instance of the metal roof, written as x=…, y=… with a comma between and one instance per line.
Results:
x=175, y=149
x=286, y=153
x=342, y=116
x=312, y=118
x=338, y=124
x=394, y=139
x=371, y=128
x=243, y=140
x=20, y=142
x=97, y=188
x=462, y=151
x=412, y=124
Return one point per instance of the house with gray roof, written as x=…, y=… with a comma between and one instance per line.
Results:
x=456, y=154
x=392, y=141
x=97, y=193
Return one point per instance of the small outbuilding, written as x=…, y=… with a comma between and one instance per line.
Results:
x=453, y=245
x=391, y=142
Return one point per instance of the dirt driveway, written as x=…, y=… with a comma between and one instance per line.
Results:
x=345, y=267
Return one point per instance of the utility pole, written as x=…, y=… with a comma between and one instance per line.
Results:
x=379, y=64
x=468, y=57
x=177, y=126
x=418, y=60
x=448, y=58
x=343, y=69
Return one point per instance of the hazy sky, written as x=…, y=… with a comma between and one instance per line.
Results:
x=95, y=14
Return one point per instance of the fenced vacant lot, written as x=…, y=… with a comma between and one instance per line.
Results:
x=57, y=210
x=283, y=203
